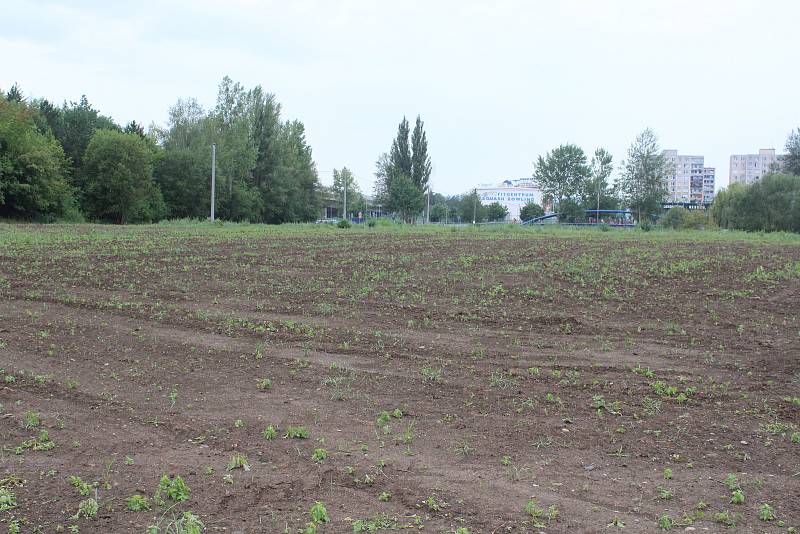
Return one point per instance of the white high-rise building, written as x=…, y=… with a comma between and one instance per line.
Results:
x=748, y=168
x=689, y=181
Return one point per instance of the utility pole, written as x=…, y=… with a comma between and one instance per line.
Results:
x=475, y=208
x=213, y=177
x=344, y=207
x=429, y=205
x=597, y=213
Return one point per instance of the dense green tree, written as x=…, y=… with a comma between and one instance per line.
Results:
x=118, y=180
x=496, y=212
x=404, y=197
x=791, y=162
x=185, y=183
x=15, y=94
x=134, y=128
x=530, y=210
x=420, y=159
x=643, y=179
x=562, y=173
x=770, y=204
x=440, y=212
x=33, y=167
x=470, y=208
x=74, y=128
x=265, y=170
x=571, y=211
x=397, y=169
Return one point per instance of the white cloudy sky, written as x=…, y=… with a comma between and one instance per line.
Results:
x=496, y=82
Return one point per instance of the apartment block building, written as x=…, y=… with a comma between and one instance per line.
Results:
x=689, y=180
x=748, y=168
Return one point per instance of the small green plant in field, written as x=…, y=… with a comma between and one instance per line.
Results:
x=31, y=420
x=83, y=488
x=87, y=508
x=651, y=406
x=776, y=428
x=796, y=437
x=434, y=505
x=173, y=395
x=383, y=419
x=174, y=489
x=264, y=383
x=667, y=474
x=644, y=371
x=552, y=512
x=599, y=404
x=187, y=523
x=238, y=461
x=378, y=522
x=536, y=513
x=137, y=503
x=270, y=433
x=506, y=461
x=665, y=522
x=318, y=513
x=319, y=455
x=408, y=434
x=616, y=521
x=737, y=497
x=665, y=493
x=42, y=442
x=431, y=375
x=297, y=432
x=725, y=518
x=385, y=496
x=731, y=482
x=238, y=423
x=502, y=379
x=14, y=527
x=766, y=512
x=8, y=499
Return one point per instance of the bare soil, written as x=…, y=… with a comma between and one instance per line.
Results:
x=565, y=370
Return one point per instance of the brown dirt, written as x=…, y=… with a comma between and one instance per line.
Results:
x=344, y=323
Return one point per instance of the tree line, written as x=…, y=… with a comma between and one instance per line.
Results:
x=70, y=162
x=573, y=184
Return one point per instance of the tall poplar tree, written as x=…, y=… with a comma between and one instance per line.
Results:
x=400, y=153
x=420, y=159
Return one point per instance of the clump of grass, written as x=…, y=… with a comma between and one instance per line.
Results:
x=264, y=383
x=297, y=432
x=238, y=461
x=270, y=433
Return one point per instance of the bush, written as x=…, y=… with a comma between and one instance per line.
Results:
x=645, y=225
x=344, y=223
x=530, y=211
x=371, y=223
x=675, y=218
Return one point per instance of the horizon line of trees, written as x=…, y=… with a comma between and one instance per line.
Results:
x=72, y=163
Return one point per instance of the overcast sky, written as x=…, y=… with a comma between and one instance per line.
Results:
x=496, y=82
